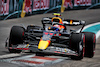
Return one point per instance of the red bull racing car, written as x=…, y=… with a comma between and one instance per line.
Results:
x=54, y=39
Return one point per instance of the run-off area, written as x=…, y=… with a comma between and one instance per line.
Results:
x=32, y=60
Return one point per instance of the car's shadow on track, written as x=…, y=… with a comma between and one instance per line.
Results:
x=4, y=52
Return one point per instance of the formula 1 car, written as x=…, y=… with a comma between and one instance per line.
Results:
x=54, y=39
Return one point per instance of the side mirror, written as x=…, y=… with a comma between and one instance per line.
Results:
x=82, y=22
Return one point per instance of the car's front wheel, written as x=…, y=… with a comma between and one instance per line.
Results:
x=90, y=42
x=77, y=41
x=16, y=37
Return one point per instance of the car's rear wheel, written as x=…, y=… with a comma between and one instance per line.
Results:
x=90, y=42
x=16, y=37
x=77, y=44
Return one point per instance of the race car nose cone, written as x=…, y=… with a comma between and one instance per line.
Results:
x=43, y=44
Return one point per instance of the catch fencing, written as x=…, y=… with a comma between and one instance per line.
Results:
x=13, y=8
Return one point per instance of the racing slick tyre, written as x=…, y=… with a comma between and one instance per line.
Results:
x=77, y=44
x=16, y=37
x=90, y=43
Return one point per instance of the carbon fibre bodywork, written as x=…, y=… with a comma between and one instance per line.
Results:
x=52, y=40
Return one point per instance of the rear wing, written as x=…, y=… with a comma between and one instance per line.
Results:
x=47, y=20
x=66, y=22
x=73, y=22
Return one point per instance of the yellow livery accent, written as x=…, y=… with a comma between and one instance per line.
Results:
x=43, y=44
x=57, y=14
x=71, y=22
x=62, y=6
x=27, y=45
x=23, y=12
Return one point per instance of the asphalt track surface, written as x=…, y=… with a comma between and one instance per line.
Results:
x=90, y=16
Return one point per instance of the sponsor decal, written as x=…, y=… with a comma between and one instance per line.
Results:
x=62, y=49
x=22, y=46
x=28, y=4
x=72, y=3
x=10, y=6
x=4, y=7
x=82, y=2
x=34, y=5
x=68, y=3
x=46, y=33
x=40, y=4
x=46, y=37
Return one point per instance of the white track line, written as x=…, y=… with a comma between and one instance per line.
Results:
x=9, y=55
x=87, y=26
x=98, y=34
x=14, y=55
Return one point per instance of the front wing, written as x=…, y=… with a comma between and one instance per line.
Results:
x=50, y=49
x=54, y=50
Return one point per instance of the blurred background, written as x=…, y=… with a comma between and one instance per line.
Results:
x=20, y=8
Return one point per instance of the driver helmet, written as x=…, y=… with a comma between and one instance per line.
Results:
x=55, y=27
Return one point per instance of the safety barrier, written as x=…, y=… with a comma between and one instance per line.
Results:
x=94, y=3
x=13, y=8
